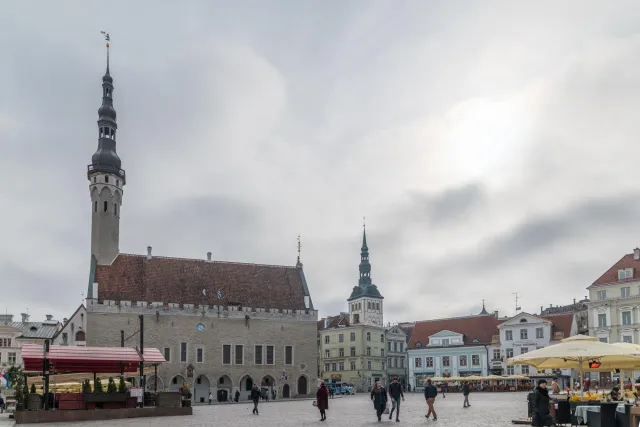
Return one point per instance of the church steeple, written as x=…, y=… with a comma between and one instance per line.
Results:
x=106, y=159
x=484, y=310
x=366, y=302
x=106, y=178
x=365, y=266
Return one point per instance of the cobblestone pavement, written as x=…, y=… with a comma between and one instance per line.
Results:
x=488, y=409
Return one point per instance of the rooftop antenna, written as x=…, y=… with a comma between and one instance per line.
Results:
x=518, y=308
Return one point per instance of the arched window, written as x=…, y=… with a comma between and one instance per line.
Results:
x=95, y=206
x=80, y=336
x=115, y=209
x=106, y=207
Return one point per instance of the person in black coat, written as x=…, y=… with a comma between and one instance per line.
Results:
x=379, y=396
x=541, y=413
x=255, y=397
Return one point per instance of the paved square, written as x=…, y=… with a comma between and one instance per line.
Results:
x=488, y=409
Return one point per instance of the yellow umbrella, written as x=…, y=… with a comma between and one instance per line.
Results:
x=494, y=378
x=578, y=354
x=580, y=338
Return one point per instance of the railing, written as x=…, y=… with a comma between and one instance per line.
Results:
x=105, y=168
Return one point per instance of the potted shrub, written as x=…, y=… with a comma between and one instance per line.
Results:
x=99, y=396
x=111, y=386
x=122, y=387
x=17, y=380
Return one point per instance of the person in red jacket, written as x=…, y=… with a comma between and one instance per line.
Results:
x=322, y=400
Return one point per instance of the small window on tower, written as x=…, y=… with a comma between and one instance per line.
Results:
x=106, y=179
x=117, y=183
x=105, y=207
x=95, y=206
x=115, y=209
x=94, y=180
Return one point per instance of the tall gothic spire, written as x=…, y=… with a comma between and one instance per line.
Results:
x=106, y=159
x=365, y=266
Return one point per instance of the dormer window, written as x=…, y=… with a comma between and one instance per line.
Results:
x=625, y=273
x=523, y=320
x=445, y=342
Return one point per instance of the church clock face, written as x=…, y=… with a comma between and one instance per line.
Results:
x=200, y=327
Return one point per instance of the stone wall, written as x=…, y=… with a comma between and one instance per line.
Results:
x=163, y=330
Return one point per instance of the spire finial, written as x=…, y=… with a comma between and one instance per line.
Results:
x=299, y=247
x=107, y=38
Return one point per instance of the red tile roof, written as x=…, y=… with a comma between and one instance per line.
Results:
x=481, y=327
x=562, y=322
x=611, y=275
x=179, y=280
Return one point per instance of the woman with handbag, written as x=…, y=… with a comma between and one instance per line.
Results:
x=379, y=397
x=322, y=401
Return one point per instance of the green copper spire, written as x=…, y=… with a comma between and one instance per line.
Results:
x=365, y=287
x=365, y=266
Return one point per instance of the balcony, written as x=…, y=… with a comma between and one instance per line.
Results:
x=91, y=169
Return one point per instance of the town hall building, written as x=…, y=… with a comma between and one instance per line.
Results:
x=221, y=326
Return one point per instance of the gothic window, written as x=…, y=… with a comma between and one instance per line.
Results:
x=117, y=183
x=95, y=206
x=80, y=336
x=378, y=306
x=106, y=179
x=115, y=209
x=106, y=207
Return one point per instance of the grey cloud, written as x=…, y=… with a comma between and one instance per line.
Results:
x=541, y=234
x=238, y=131
x=447, y=206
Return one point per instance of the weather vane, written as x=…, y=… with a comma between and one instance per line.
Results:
x=107, y=37
x=364, y=222
x=299, y=246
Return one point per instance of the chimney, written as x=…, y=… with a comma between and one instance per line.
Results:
x=541, y=309
x=64, y=321
x=208, y=256
x=148, y=252
x=49, y=317
x=25, y=317
x=574, y=300
x=636, y=254
x=495, y=313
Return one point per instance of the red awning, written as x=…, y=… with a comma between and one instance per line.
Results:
x=87, y=359
x=153, y=356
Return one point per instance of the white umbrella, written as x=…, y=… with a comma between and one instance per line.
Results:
x=578, y=354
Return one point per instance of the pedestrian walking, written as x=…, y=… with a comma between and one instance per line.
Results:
x=255, y=397
x=237, y=396
x=430, y=393
x=541, y=413
x=210, y=398
x=465, y=393
x=322, y=401
x=443, y=389
x=379, y=397
x=395, y=391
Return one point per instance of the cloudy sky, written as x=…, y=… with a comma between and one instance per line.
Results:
x=492, y=145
